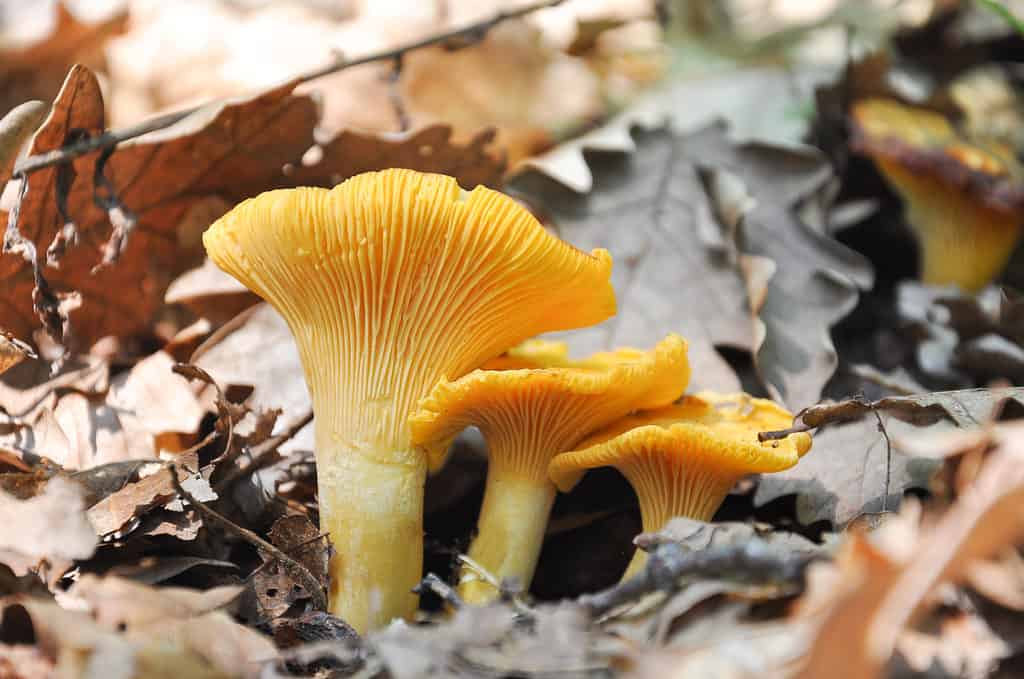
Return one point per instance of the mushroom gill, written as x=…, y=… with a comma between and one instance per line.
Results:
x=527, y=416
x=683, y=459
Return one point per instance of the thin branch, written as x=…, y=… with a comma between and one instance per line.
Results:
x=508, y=589
x=669, y=562
x=262, y=454
x=447, y=594
x=293, y=567
x=888, y=459
x=467, y=34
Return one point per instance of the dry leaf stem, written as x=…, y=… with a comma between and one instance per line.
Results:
x=293, y=567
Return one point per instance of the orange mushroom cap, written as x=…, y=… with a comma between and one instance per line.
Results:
x=964, y=197
x=683, y=459
x=530, y=414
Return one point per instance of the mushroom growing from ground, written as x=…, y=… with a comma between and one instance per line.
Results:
x=390, y=282
x=683, y=459
x=963, y=198
x=528, y=416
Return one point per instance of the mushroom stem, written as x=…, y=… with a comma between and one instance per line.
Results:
x=666, y=491
x=372, y=508
x=511, y=527
x=962, y=241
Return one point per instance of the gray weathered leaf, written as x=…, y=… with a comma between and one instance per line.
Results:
x=681, y=266
x=760, y=104
x=848, y=471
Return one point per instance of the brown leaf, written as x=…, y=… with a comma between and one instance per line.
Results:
x=299, y=538
x=1000, y=580
x=677, y=266
x=117, y=510
x=12, y=351
x=860, y=632
x=275, y=588
x=427, y=149
x=226, y=150
x=143, y=411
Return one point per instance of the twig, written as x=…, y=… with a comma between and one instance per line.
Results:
x=193, y=372
x=888, y=459
x=472, y=33
x=669, y=562
x=507, y=589
x=267, y=550
x=432, y=583
x=262, y=453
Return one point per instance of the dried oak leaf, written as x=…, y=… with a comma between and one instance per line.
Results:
x=427, y=149
x=847, y=473
x=167, y=179
x=883, y=593
x=276, y=590
x=117, y=511
x=139, y=413
x=693, y=253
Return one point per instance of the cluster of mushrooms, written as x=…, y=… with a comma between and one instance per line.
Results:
x=413, y=303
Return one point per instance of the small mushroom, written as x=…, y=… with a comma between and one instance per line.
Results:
x=528, y=416
x=963, y=198
x=390, y=282
x=683, y=459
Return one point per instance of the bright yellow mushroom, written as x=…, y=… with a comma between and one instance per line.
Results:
x=528, y=416
x=963, y=197
x=390, y=282
x=683, y=459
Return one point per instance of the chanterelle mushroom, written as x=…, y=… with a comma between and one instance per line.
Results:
x=390, y=282
x=682, y=459
x=528, y=416
x=963, y=198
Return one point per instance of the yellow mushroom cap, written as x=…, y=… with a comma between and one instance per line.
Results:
x=528, y=415
x=683, y=459
x=964, y=197
x=533, y=353
x=393, y=280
